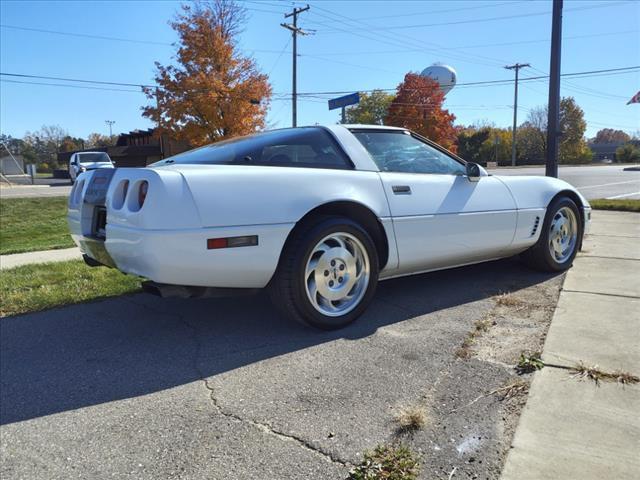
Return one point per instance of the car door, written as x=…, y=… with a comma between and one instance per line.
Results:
x=440, y=217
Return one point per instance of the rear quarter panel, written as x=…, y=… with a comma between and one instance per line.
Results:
x=244, y=195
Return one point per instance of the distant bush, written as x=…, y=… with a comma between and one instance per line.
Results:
x=628, y=153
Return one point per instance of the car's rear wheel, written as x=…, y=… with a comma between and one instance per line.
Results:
x=327, y=274
x=559, y=239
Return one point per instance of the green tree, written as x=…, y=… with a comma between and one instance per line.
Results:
x=71, y=144
x=573, y=146
x=14, y=145
x=531, y=136
x=628, y=153
x=531, y=144
x=42, y=146
x=497, y=147
x=470, y=141
x=609, y=135
x=371, y=110
x=95, y=140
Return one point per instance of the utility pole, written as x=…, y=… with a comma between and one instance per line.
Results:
x=553, y=121
x=517, y=68
x=110, y=123
x=294, y=32
x=160, y=132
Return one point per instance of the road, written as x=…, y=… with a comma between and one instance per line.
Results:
x=142, y=387
x=606, y=181
x=44, y=187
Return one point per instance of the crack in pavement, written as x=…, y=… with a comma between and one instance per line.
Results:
x=263, y=427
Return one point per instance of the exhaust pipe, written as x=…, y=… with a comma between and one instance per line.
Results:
x=185, y=291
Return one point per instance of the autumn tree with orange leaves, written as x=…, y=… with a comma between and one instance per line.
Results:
x=418, y=107
x=213, y=92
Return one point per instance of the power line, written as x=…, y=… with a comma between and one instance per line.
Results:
x=4, y=80
x=482, y=20
x=502, y=44
x=584, y=74
x=86, y=35
x=108, y=38
x=392, y=39
x=96, y=82
x=86, y=87
x=433, y=12
x=286, y=45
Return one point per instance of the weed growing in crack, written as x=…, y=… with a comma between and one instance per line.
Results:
x=411, y=418
x=387, y=462
x=480, y=326
x=583, y=371
x=509, y=300
x=511, y=390
x=529, y=363
x=514, y=389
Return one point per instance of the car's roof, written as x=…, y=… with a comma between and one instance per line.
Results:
x=356, y=126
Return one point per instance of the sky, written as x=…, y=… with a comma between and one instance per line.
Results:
x=351, y=46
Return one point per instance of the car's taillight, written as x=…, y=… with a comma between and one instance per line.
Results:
x=125, y=189
x=142, y=192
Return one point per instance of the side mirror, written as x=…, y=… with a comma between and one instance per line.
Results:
x=473, y=172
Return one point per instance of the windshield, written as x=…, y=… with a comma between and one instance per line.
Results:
x=311, y=147
x=93, y=157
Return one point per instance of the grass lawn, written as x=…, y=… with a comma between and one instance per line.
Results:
x=620, y=205
x=30, y=224
x=37, y=287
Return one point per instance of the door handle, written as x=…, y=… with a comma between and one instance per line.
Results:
x=401, y=189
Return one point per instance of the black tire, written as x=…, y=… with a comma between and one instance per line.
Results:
x=287, y=288
x=539, y=256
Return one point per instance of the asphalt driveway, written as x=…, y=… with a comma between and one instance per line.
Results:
x=142, y=387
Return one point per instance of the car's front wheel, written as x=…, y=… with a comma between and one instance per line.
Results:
x=559, y=239
x=327, y=274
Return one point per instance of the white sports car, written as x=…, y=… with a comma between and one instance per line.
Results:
x=317, y=215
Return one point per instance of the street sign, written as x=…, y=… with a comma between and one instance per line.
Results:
x=342, y=102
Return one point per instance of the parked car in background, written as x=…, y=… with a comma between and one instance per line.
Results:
x=84, y=161
x=317, y=215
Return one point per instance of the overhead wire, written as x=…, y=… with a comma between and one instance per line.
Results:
x=584, y=74
x=482, y=20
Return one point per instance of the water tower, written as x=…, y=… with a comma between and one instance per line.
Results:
x=445, y=75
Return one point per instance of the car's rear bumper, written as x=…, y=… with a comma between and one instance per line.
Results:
x=181, y=257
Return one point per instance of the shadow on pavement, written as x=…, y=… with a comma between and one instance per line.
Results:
x=83, y=355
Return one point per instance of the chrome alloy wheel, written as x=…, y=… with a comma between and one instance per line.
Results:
x=336, y=275
x=563, y=234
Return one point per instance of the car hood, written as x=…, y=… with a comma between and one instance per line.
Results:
x=94, y=165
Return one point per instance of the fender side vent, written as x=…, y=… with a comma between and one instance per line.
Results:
x=536, y=224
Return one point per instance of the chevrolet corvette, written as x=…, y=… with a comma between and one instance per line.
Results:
x=317, y=215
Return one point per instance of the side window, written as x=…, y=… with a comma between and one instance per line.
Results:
x=310, y=147
x=314, y=148
x=398, y=151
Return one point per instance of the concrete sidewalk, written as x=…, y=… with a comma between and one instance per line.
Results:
x=571, y=428
x=45, y=256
